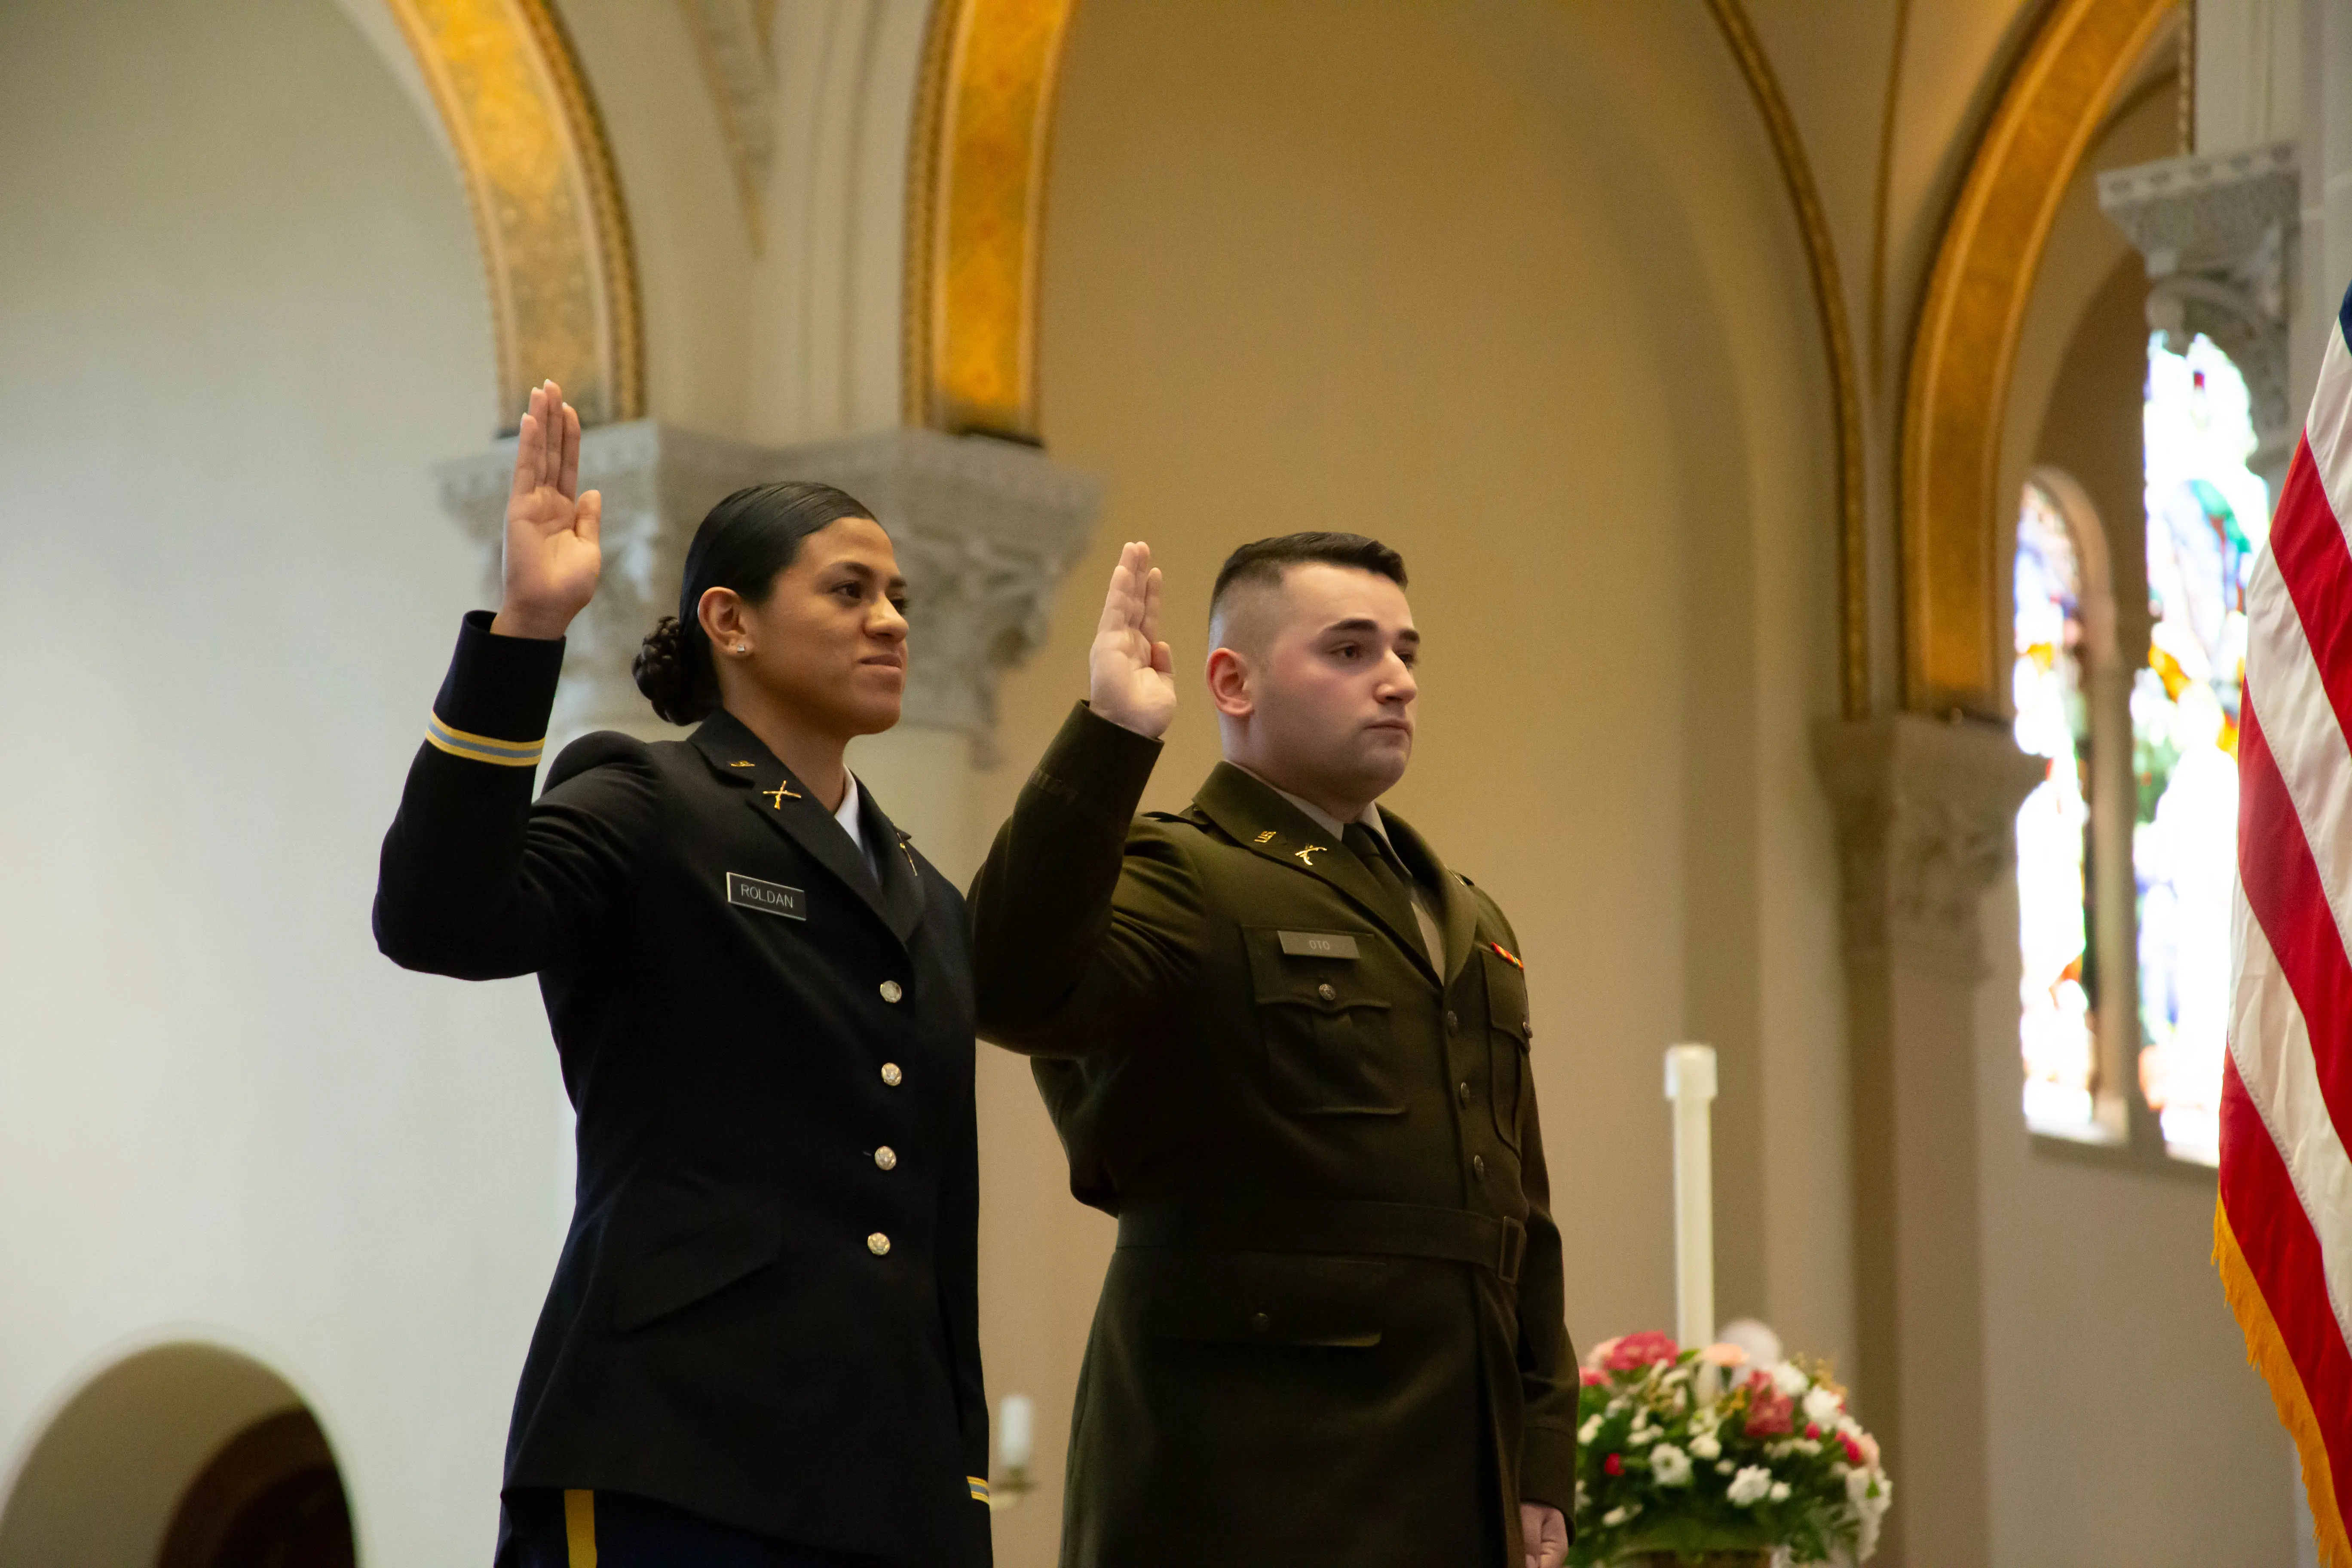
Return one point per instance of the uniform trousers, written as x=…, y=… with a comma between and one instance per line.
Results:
x=544, y=1528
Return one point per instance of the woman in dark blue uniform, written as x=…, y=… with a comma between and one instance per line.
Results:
x=761, y=1343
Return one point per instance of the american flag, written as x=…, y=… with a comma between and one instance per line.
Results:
x=2282, y=1226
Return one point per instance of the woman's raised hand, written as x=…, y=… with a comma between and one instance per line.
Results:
x=551, y=556
x=1128, y=678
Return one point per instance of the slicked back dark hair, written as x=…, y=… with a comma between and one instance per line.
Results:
x=1265, y=560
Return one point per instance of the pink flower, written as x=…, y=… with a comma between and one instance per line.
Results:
x=1812, y=1431
x=1770, y=1413
x=1588, y=1377
x=1613, y=1465
x=1853, y=1451
x=1636, y=1351
x=1725, y=1355
x=1869, y=1449
x=1598, y=1354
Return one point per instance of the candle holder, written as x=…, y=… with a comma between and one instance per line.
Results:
x=1012, y=1485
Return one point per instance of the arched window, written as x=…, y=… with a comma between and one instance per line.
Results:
x=2048, y=684
x=2208, y=514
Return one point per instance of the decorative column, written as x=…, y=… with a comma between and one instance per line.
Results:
x=1926, y=814
x=984, y=529
x=2218, y=233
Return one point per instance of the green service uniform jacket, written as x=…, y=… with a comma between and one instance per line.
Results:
x=1332, y=1331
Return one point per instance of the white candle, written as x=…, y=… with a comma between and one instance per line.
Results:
x=1016, y=1431
x=1690, y=1084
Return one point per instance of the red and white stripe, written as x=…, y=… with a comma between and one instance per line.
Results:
x=2283, y=1228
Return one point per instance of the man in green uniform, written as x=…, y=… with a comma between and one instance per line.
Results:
x=1289, y=1050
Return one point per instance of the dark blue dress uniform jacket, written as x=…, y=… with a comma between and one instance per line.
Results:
x=766, y=1311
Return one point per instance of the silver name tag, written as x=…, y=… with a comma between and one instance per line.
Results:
x=769, y=898
x=1318, y=943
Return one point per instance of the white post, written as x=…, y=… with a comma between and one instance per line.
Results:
x=1690, y=1084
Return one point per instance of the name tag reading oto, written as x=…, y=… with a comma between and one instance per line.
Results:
x=771, y=897
x=1318, y=943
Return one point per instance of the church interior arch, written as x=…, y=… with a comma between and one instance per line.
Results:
x=183, y=1455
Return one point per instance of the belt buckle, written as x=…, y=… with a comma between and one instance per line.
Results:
x=1512, y=1251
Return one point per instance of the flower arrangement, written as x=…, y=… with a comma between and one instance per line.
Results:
x=1695, y=1451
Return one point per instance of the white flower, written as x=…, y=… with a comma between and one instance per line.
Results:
x=1780, y=1493
x=1615, y=1405
x=1643, y=1432
x=1617, y=1515
x=1749, y=1486
x=1705, y=1445
x=1789, y=1380
x=1821, y=1407
x=1589, y=1431
x=1807, y=1446
x=1670, y=1465
x=1725, y=1467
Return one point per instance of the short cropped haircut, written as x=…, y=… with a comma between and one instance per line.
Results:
x=1265, y=560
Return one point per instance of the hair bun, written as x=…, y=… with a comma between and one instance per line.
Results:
x=674, y=675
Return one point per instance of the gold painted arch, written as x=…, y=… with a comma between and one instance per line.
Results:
x=1962, y=352
x=975, y=214
x=546, y=201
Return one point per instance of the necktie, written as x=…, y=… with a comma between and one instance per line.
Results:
x=1367, y=847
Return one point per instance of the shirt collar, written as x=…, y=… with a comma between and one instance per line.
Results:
x=1322, y=818
x=847, y=814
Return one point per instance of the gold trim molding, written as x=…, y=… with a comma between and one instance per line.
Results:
x=547, y=204
x=1955, y=583
x=976, y=212
x=1837, y=337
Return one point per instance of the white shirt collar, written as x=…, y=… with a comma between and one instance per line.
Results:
x=847, y=814
x=1322, y=818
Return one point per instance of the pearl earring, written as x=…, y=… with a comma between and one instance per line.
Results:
x=742, y=647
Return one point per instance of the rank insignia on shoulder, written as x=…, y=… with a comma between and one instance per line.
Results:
x=1311, y=849
x=1505, y=953
x=742, y=764
x=1266, y=835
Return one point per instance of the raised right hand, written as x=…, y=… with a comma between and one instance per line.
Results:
x=1128, y=678
x=551, y=554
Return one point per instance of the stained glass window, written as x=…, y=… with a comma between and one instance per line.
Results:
x=2208, y=514
x=2053, y=824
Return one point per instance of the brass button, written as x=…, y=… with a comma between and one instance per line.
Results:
x=892, y=991
x=1478, y=1166
x=877, y=1244
x=1260, y=1322
x=1451, y=1023
x=1527, y=1028
x=891, y=1075
x=1327, y=992
x=1462, y=1091
x=886, y=1157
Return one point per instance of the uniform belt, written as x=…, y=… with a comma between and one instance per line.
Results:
x=1394, y=1230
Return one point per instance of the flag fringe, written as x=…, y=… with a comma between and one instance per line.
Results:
x=2266, y=1352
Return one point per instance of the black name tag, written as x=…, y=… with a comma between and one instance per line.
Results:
x=1318, y=943
x=769, y=897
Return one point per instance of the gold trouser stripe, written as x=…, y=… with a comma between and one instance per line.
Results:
x=580, y=1528
x=483, y=748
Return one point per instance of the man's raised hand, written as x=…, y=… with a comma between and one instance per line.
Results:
x=551, y=555
x=1129, y=669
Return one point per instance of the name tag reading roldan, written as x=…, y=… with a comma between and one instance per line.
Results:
x=769, y=897
x=1318, y=943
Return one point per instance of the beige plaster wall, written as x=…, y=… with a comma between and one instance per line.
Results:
x=241, y=312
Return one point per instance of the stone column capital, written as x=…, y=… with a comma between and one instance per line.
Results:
x=984, y=529
x=1926, y=810
x=2217, y=232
